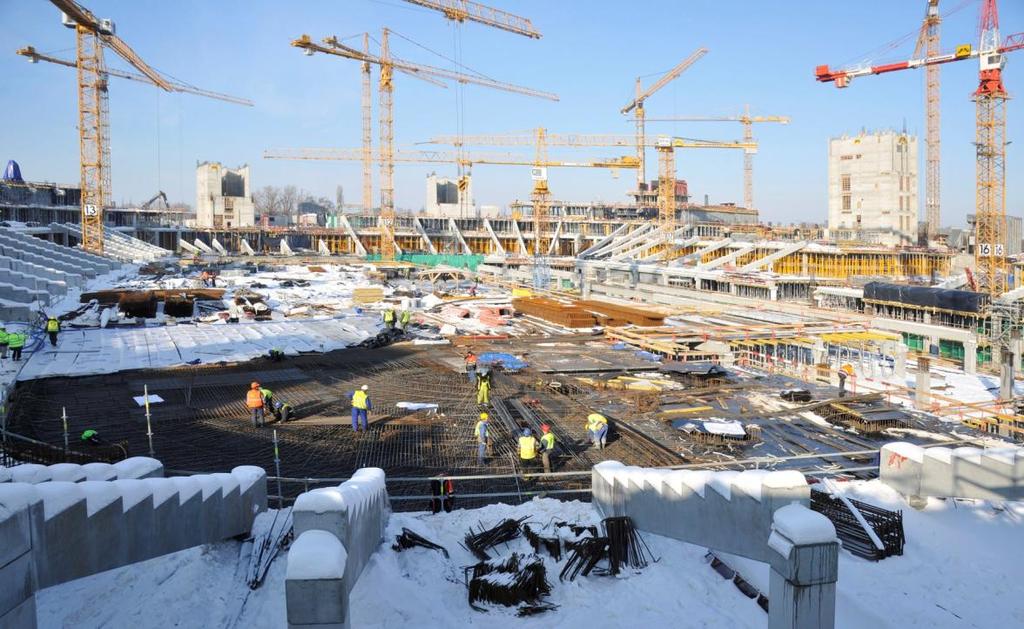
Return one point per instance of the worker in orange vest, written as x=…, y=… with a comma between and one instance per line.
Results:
x=471, y=367
x=254, y=400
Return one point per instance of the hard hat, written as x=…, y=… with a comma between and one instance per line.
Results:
x=526, y=432
x=364, y=388
x=483, y=415
x=254, y=385
x=545, y=428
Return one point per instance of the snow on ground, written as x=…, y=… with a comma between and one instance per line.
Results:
x=95, y=351
x=960, y=568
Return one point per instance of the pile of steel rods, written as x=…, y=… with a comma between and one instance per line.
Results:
x=519, y=579
x=625, y=546
x=506, y=531
x=410, y=539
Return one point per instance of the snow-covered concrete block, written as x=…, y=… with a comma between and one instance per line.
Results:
x=21, y=518
x=965, y=472
x=729, y=511
x=316, y=594
x=99, y=471
x=139, y=467
x=30, y=473
x=804, y=559
x=71, y=472
x=900, y=466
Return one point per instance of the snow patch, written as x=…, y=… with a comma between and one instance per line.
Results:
x=320, y=500
x=209, y=484
x=722, y=482
x=750, y=482
x=785, y=479
x=316, y=555
x=228, y=482
x=795, y=524
x=940, y=454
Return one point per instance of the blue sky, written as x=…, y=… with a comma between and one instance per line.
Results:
x=762, y=53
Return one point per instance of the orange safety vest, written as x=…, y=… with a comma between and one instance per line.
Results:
x=254, y=399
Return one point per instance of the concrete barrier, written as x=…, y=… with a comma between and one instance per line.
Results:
x=756, y=514
x=134, y=467
x=984, y=474
x=355, y=515
x=81, y=528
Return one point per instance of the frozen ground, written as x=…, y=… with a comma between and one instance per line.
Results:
x=961, y=568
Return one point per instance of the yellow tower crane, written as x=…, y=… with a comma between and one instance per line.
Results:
x=748, y=136
x=462, y=10
x=388, y=65
x=540, y=140
x=92, y=35
x=637, y=107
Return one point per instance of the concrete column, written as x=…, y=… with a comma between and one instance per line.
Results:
x=1017, y=347
x=802, y=584
x=901, y=361
x=773, y=293
x=818, y=351
x=970, y=357
x=316, y=596
x=1005, y=373
x=923, y=395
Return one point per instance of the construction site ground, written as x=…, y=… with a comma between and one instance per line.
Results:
x=202, y=424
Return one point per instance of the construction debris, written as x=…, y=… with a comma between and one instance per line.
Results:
x=506, y=531
x=625, y=546
x=744, y=586
x=551, y=545
x=586, y=554
x=517, y=580
x=887, y=526
x=266, y=546
x=410, y=539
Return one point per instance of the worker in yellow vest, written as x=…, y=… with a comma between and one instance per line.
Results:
x=17, y=342
x=360, y=406
x=52, y=328
x=597, y=428
x=389, y=318
x=483, y=387
x=547, y=446
x=527, y=446
x=4, y=340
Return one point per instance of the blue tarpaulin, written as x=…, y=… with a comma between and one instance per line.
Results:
x=13, y=172
x=507, y=361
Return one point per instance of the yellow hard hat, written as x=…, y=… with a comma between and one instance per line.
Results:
x=483, y=415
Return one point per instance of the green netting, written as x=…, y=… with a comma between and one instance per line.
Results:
x=460, y=261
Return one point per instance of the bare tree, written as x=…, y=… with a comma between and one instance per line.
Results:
x=290, y=197
x=267, y=200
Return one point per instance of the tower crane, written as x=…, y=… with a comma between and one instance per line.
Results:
x=92, y=36
x=540, y=140
x=637, y=107
x=388, y=65
x=990, y=136
x=462, y=10
x=748, y=136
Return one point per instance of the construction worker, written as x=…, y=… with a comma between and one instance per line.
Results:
x=254, y=400
x=481, y=438
x=403, y=319
x=483, y=388
x=16, y=340
x=360, y=405
x=389, y=318
x=52, y=328
x=4, y=339
x=92, y=437
x=282, y=410
x=597, y=428
x=527, y=447
x=547, y=446
x=471, y=367
x=268, y=400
